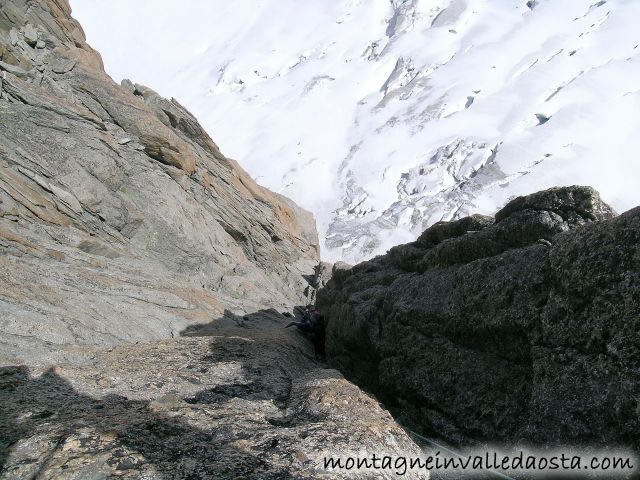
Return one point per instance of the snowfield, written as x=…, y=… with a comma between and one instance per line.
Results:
x=383, y=117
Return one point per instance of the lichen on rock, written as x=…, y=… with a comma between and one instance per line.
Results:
x=522, y=328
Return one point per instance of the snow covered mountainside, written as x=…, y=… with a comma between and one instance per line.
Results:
x=383, y=117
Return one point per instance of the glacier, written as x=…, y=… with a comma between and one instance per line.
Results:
x=384, y=117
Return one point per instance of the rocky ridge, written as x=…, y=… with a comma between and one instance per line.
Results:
x=121, y=197
x=122, y=226
x=387, y=120
x=521, y=328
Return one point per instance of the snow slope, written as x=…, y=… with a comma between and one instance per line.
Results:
x=383, y=117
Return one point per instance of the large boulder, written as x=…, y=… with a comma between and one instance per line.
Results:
x=523, y=328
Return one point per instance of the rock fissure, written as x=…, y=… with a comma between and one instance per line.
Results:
x=118, y=214
x=145, y=275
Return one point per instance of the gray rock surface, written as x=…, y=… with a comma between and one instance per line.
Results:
x=523, y=329
x=321, y=275
x=120, y=220
x=250, y=402
x=123, y=226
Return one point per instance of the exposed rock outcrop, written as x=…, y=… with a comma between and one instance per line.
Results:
x=121, y=226
x=249, y=402
x=120, y=220
x=522, y=328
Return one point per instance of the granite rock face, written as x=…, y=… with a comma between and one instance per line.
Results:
x=522, y=328
x=249, y=402
x=123, y=226
x=120, y=220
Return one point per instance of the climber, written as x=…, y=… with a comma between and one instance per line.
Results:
x=312, y=326
x=311, y=321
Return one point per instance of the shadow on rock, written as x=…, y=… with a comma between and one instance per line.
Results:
x=241, y=397
x=270, y=322
x=44, y=418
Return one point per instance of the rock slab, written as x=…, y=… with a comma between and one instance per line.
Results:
x=120, y=219
x=250, y=402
